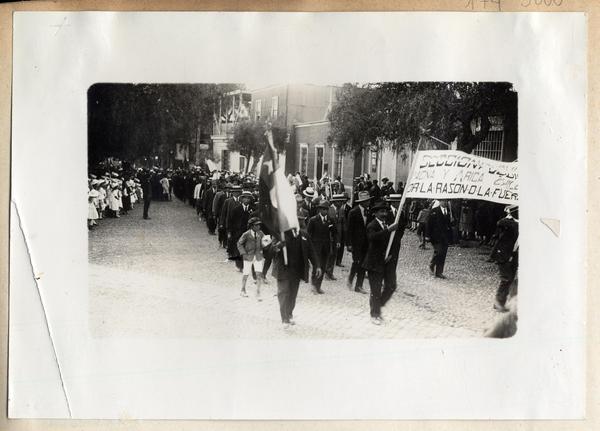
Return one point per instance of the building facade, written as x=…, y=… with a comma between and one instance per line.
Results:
x=303, y=109
x=283, y=105
x=233, y=107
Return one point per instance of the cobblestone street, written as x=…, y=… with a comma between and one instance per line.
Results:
x=167, y=277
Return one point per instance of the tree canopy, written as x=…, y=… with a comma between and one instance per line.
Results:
x=129, y=121
x=397, y=114
x=248, y=139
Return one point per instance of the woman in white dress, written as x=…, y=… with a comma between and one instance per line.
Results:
x=92, y=212
x=114, y=198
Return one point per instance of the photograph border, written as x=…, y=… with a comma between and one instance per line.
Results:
x=592, y=420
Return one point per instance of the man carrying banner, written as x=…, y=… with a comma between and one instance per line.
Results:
x=292, y=250
x=439, y=233
x=378, y=234
x=390, y=278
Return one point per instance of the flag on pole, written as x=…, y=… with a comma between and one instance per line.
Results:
x=277, y=204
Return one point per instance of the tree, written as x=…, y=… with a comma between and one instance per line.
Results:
x=355, y=118
x=249, y=140
x=130, y=121
x=400, y=113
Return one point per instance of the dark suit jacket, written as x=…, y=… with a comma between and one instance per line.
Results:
x=295, y=267
x=508, y=232
x=402, y=222
x=357, y=229
x=378, y=240
x=146, y=181
x=209, y=195
x=375, y=192
x=312, y=211
x=320, y=232
x=217, y=204
x=237, y=218
x=438, y=226
x=225, y=211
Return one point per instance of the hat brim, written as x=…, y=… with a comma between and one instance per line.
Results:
x=363, y=200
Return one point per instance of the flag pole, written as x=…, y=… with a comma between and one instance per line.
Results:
x=402, y=201
x=269, y=134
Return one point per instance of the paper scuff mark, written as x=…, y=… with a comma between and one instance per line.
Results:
x=36, y=277
x=552, y=224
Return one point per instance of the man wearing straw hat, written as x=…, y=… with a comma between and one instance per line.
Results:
x=309, y=194
x=358, y=218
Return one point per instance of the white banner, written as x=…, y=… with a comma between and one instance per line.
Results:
x=457, y=175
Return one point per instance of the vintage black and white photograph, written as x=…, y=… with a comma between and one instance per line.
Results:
x=374, y=210
x=298, y=216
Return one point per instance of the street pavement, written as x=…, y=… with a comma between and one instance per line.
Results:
x=167, y=277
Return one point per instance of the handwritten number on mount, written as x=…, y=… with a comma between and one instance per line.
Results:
x=527, y=3
x=471, y=4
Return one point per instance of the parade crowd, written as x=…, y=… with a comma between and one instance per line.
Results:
x=332, y=220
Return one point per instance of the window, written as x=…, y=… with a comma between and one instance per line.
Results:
x=258, y=110
x=274, y=107
x=338, y=161
x=303, y=159
x=493, y=145
x=242, y=164
x=225, y=160
x=373, y=163
x=319, y=151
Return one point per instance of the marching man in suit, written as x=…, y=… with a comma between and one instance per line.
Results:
x=321, y=230
x=343, y=212
x=309, y=205
x=358, y=219
x=378, y=234
x=299, y=253
x=439, y=233
x=506, y=254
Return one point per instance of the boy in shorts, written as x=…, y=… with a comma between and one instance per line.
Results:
x=250, y=246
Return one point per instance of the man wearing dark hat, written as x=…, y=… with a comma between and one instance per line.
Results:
x=439, y=233
x=234, y=192
x=238, y=215
x=375, y=190
x=145, y=178
x=301, y=212
x=378, y=234
x=321, y=230
x=208, y=198
x=358, y=218
x=338, y=219
x=343, y=213
x=217, y=205
x=393, y=200
x=300, y=251
x=506, y=254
